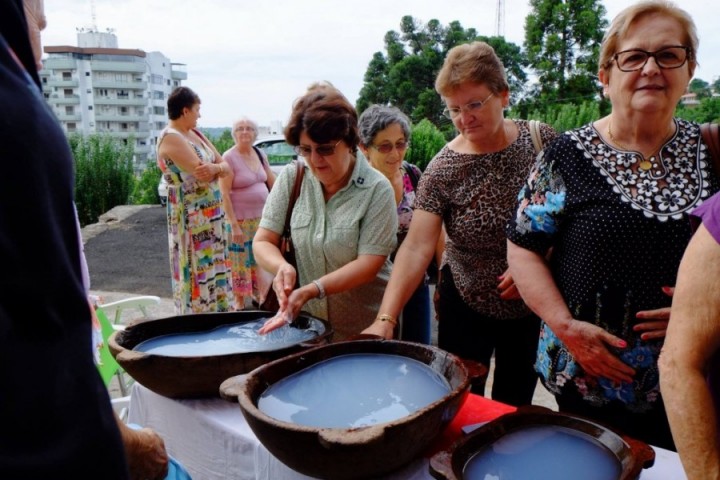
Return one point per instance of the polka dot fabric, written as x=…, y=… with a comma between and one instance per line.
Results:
x=618, y=234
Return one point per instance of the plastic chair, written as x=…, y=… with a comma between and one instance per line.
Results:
x=108, y=367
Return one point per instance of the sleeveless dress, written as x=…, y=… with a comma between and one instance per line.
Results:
x=195, y=237
x=248, y=196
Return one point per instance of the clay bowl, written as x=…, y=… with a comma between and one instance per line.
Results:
x=197, y=376
x=350, y=453
x=632, y=455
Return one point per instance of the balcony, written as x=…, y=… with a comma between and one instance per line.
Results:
x=64, y=99
x=58, y=63
x=108, y=66
x=61, y=82
x=178, y=71
x=96, y=83
x=127, y=133
x=137, y=102
x=68, y=117
x=119, y=117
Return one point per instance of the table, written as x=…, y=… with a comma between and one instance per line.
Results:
x=211, y=438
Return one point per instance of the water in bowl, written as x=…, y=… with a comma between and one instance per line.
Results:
x=545, y=452
x=354, y=390
x=229, y=339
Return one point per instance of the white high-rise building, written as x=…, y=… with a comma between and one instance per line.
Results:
x=97, y=87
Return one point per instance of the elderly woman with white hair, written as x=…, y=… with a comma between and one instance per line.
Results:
x=244, y=193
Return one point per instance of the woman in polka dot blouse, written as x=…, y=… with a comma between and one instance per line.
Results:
x=610, y=201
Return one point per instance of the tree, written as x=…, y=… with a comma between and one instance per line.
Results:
x=562, y=42
x=146, y=187
x=222, y=142
x=700, y=87
x=103, y=174
x=425, y=142
x=405, y=75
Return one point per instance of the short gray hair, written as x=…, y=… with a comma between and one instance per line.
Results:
x=249, y=122
x=377, y=118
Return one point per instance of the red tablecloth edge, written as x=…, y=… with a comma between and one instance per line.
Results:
x=475, y=409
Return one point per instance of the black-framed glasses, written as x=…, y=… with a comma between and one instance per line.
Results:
x=472, y=107
x=322, y=150
x=388, y=147
x=635, y=59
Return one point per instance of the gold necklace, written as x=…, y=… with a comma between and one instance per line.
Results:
x=644, y=164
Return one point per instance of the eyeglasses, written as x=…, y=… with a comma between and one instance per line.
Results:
x=244, y=129
x=472, y=107
x=666, y=58
x=388, y=147
x=322, y=150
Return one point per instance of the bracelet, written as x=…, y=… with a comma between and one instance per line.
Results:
x=387, y=318
x=320, y=288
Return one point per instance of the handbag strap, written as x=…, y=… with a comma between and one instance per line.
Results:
x=534, y=126
x=711, y=137
x=299, y=173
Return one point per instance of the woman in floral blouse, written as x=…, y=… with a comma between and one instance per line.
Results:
x=610, y=201
x=384, y=139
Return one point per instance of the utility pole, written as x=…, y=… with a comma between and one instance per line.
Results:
x=500, y=19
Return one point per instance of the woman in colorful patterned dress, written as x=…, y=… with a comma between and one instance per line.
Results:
x=611, y=199
x=384, y=139
x=192, y=166
x=244, y=191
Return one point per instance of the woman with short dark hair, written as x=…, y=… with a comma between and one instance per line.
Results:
x=191, y=165
x=343, y=224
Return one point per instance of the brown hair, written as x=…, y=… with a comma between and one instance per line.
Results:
x=471, y=62
x=626, y=18
x=325, y=115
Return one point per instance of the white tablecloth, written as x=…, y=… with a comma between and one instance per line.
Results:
x=212, y=440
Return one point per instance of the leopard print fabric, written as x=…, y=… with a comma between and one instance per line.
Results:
x=476, y=195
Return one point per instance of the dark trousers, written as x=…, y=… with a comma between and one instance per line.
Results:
x=474, y=336
x=651, y=427
x=416, y=317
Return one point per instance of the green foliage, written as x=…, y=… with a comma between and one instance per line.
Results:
x=700, y=87
x=707, y=111
x=565, y=116
x=425, y=142
x=222, y=142
x=145, y=191
x=103, y=174
x=562, y=42
x=405, y=75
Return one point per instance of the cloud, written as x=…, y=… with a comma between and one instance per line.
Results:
x=254, y=58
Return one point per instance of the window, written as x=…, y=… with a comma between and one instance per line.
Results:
x=156, y=79
x=89, y=107
x=158, y=110
x=68, y=92
x=69, y=110
x=66, y=76
x=71, y=126
x=87, y=74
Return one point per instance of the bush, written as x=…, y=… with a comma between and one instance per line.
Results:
x=103, y=174
x=425, y=142
x=146, y=186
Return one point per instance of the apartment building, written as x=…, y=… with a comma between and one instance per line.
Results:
x=98, y=87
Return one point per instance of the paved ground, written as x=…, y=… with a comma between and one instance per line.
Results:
x=127, y=255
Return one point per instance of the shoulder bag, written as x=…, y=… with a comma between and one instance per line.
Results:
x=271, y=303
x=711, y=137
x=262, y=164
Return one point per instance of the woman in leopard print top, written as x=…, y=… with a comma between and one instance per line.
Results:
x=471, y=187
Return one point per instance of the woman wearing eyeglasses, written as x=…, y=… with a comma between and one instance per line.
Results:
x=471, y=187
x=343, y=225
x=244, y=191
x=384, y=139
x=611, y=199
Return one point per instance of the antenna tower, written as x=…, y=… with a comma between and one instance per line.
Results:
x=500, y=19
x=93, y=16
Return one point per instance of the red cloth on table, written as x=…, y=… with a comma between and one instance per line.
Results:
x=475, y=409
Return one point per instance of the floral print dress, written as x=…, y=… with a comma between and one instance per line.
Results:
x=195, y=237
x=618, y=234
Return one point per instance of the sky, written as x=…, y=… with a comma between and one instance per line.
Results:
x=254, y=58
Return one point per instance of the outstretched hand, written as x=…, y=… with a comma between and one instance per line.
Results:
x=280, y=319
